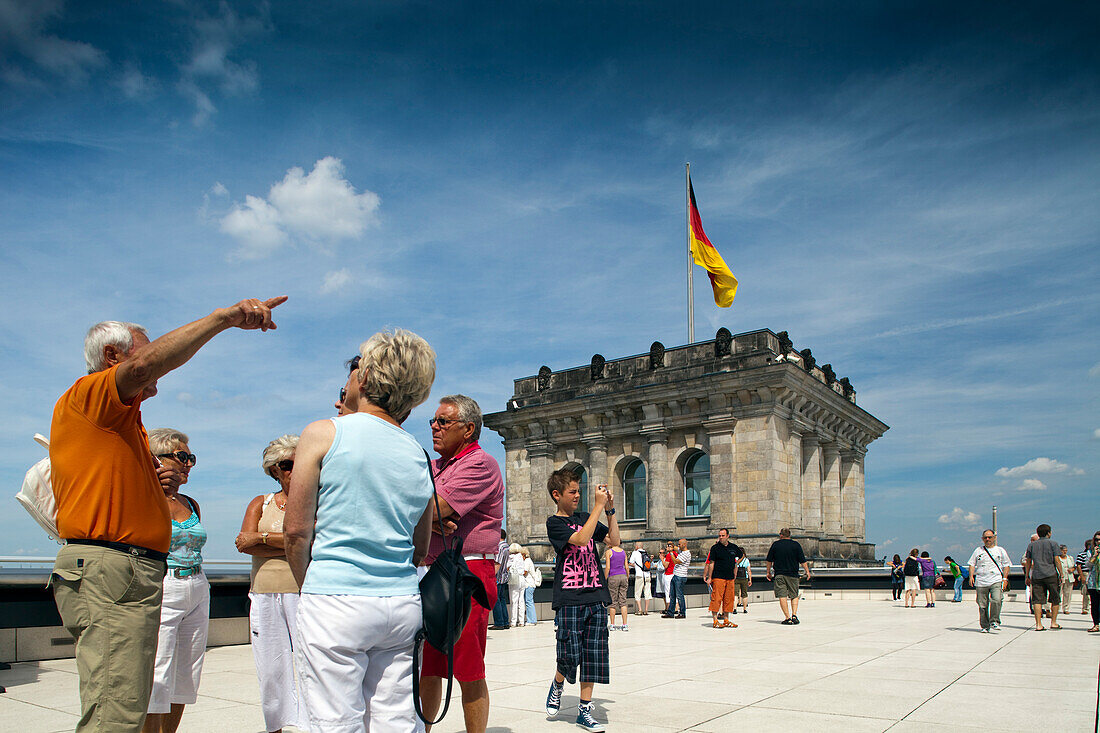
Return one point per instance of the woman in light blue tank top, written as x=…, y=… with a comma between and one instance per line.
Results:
x=357, y=523
x=185, y=608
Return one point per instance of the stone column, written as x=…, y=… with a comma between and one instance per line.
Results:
x=524, y=507
x=794, y=476
x=597, y=464
x=811, y=485
x=852, y=494
x=660, y=487
x=723, y=478
x=830, y=490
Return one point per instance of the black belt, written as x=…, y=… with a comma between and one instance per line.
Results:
x=135, y=550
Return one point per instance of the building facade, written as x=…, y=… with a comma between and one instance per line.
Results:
x=741, y=432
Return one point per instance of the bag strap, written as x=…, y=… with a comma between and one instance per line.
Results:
x=435, y=497
x=995, y=563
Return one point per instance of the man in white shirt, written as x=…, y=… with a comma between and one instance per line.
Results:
x=638, y=560
x=989, y=566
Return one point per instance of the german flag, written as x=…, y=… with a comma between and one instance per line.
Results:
x=706, y=256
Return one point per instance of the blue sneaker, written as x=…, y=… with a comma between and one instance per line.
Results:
x=586, y=721
x=553, y=699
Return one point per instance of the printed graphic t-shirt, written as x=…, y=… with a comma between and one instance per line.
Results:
x=578, y=576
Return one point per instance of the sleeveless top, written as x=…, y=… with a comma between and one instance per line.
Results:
x=272, y=574
x=374, y=487
x=618, y=563
x=188, y=537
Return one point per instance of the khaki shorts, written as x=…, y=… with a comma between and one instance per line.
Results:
x=110, y=602
x=617, y=585
x=741, y=587
x=1046, y=590
x=785, y=586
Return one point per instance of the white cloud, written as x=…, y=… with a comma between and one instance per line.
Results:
x=1032, y=484
x=219, y=189
x=336, y=281
x=22, y=29
x=959, y=519
x=1038, y=466
x=1095, y=371
x=321, y=205
x=1096, y=433
x=136, y=85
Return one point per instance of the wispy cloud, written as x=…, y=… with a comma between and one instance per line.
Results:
x=1031, y=484
x=939, y=325
x=39, y=54
x=316, y=207
x=1039, y=465
x=336, y=281
x=1095, y=371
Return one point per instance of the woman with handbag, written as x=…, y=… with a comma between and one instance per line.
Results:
x=517, y=585
x=357, y=524
x=534, y=580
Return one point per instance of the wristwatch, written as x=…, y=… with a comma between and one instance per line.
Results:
x=263, y=537
x=611, y=512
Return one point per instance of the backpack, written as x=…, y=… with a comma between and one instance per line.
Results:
x=647, y=563
x=36, y=494
x=515, y=571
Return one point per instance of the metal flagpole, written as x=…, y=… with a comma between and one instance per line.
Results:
x=691, y=260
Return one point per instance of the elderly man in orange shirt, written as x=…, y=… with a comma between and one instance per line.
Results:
x=111, y=509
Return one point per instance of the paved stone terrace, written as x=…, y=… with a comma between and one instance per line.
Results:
x=852, y=665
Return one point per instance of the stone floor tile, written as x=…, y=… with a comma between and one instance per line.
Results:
x=770, y=720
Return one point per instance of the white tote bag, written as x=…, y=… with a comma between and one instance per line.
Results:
x=36, y=495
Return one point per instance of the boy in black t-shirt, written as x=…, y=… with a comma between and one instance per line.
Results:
x=580, y=592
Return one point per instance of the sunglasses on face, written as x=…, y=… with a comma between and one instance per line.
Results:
x=187, y=459
x=286, y=466
x=343, y=393
x=442, y=422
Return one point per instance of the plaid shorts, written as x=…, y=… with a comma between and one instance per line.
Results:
x=582, y=640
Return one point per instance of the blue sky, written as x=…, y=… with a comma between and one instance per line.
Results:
x=909, y=190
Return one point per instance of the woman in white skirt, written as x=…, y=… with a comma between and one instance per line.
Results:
x=273, y=594
x=185, y=610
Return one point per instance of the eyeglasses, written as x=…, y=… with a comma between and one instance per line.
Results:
x=187, y=459
x=443, y=422
x=989, y=536
x=286, y=466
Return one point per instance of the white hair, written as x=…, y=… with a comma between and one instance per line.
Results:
x=166, y=440
x=396, y=371
x=468, y=411
x=119, y=334
x=279, y=449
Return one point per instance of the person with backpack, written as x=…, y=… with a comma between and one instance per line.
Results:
x=642, y=563
x=897, y=577
x=956, y=572
x=517, y=585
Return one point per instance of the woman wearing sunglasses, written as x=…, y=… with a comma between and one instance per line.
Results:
x=185, y=611
x=273, y=594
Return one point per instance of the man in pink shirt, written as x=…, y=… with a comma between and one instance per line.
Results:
x=471, y=497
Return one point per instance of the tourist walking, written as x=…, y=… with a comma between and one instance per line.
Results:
x=618, y=580
x=517, y=585
x=641, y=563
x=956, y=573
x=680, y=564
x=912, y=572
x=782, y=563
x=580, y=593
x=988, y=567
x=1066, y=571
x=471, y=493
x=273, y=592
x=112, y=510
x=742, y=583
x=353, y=547
x=719, y=572
x=897, y=577
x=928, y=579
x=1043, y=575
x=185, y=610
x=1081, y=563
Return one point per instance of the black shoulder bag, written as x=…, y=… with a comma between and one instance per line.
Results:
x=445, y=593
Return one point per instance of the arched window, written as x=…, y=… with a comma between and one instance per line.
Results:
x=697, y=485
x=634, y=490
x=582, y=479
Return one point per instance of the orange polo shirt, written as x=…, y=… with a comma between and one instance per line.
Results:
x=104, y=477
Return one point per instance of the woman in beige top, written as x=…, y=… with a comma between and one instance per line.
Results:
x=273, y=596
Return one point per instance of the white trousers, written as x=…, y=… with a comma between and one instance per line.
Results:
x=273, y=621
x=355, y=662
x=666, y=583
x=517, y=595
x=181, y=642
x=641, y=588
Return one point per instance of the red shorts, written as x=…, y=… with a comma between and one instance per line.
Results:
x=470, y=649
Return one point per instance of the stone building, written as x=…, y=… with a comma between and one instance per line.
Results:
x=741, y=432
